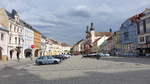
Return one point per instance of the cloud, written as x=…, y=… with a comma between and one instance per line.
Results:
x=67, y=19
x=80, y=11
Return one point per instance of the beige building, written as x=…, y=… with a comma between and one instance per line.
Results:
x=78, y=48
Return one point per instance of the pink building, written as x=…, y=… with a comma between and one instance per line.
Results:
x=3, y=43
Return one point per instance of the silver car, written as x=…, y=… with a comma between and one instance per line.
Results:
x=47, y=60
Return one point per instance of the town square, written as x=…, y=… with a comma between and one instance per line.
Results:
x=74, y=42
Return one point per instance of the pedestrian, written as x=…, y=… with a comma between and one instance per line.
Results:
x=98, y=57
x=18, y=56
x=31, y=56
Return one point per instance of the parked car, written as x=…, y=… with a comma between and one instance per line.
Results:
x=58, y=57
x=67, y=55
x=106, y=54
x=95, y=55
x=47, y=60
x=102, y=54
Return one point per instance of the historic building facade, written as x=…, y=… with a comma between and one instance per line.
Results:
x=37, y=43
x=94, y=39
x=28, y=37
x=4, y=38
x=43, y=45
x=144, y=34
x=117, y=43
x=12, y=22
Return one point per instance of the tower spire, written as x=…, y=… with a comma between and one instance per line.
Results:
x=87, y=29
x=92, y=28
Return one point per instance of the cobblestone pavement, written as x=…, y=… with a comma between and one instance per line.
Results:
x=78, y=70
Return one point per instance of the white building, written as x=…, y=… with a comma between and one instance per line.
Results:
x=15, y=27
x=28, y=38
x=3, y=43
x=65, y=48
x=94, y=39
x=44, y=46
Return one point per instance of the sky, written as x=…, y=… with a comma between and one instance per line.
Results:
x=66, y=20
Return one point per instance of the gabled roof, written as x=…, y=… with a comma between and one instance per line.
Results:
x=78, y=42
x=53, y=41
x=97, y=40
x=103, y=33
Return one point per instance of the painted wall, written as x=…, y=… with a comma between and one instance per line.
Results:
x=4, y=41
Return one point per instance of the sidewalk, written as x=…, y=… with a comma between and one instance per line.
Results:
x=13, y=63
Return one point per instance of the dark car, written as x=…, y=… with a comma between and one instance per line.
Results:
x=59, y=57
x=93, y=55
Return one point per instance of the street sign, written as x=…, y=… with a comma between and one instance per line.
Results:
x=32, y=46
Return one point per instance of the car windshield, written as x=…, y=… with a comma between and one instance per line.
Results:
x=49, y=57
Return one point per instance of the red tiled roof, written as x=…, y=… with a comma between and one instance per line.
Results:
x=97, y=40
x=103, y=33
x=53, y=41
x=64, y=44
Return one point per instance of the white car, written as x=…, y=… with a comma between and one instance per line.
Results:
x=66, y=56
x=106, y=54
x=47, y=60
x=102, y=54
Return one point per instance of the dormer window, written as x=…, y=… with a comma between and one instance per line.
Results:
x=16, y=18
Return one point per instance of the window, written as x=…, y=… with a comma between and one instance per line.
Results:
x=148, y=25
x=141, y=39
x=126, y=36
x=10, y=26
x=19, y=41
x=18, y=29
x=2, y=36
x=15, y=28
x=141, y=27
x=15, y=40
x=10, y=40
x=147, y=39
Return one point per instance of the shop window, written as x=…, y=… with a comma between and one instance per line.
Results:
x=147, y=39
x=141, y=39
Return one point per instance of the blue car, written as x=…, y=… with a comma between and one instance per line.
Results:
x=47, y=60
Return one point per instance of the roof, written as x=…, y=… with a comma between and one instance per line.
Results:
x=65, y=44
x=109, y=39
x=97, y=40
x=3, y=29
x=21, y=22
x=103, y=33
x=54, y=41
x=78, y=42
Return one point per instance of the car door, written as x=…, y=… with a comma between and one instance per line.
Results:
x=50, y=59
x=45, y=59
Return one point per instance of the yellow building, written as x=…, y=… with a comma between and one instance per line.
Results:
x=37, y=43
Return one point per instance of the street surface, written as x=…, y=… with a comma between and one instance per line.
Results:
x=78, y=70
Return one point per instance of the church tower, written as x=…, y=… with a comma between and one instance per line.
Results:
x=92, y=32
x=87, y=32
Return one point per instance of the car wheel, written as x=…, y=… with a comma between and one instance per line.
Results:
x=55, y=62
x=40, y=63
